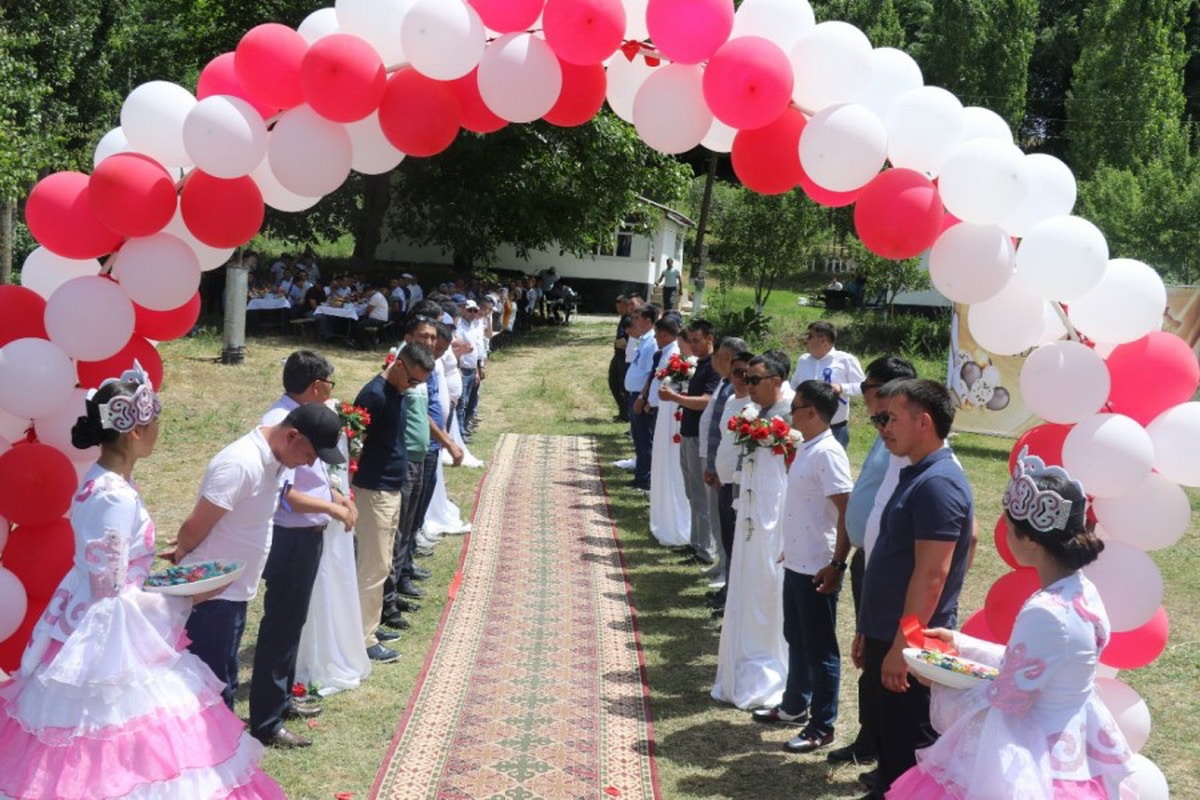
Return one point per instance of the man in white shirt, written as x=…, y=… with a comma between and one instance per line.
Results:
x=472, y=365
x=670, y=279
x=375, y=316
x=824, y=362
x=415, y=293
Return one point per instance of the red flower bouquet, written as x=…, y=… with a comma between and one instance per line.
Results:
x=678, y=370
x=354, y=424
x=752, y=431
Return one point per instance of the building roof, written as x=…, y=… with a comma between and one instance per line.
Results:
x=671, y=213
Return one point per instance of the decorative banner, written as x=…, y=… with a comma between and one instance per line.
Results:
x=1182, y=316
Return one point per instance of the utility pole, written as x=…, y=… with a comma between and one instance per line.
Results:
x=700, y=251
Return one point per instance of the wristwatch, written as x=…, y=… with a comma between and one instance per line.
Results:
x=841, y=565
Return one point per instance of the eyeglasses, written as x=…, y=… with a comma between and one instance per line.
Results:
x=799, y=408
x=739, y=373
x=326, y=380
x=755, y=380
x=881, y=419
x=867, y=386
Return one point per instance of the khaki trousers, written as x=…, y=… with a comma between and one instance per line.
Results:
x=378, y=518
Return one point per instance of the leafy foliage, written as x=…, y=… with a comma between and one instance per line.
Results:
x=886, y=278
x=875, y=332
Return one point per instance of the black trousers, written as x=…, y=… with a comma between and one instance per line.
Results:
x=289, y=574
x=907, y=713
x=616, y=383
x=867, y=716
x=728, y=519
x=410, y=493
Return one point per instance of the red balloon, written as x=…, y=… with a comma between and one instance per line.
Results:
x=476, y=116
x=1137, y=648
x=689, y=31
x=1005, y=598
x=59, y=214
x=13, y=648
x=976, y=625
x=748, y=82
x=824, y=197
x=163, y=326
x=767, y=159
x=93, y=373
x=36, y=484
x=1044, y=441
x=1160, y=360
x=40, y=555
x=132, y=194
x=949, y=221
x=220, y=77
x=506, y=16
x=267, y=64
x=22, y=314
x=418, y=115
x=221, y=212
x=583, y=31
x=1000, y=535
x=898, y=214
x=342, y=78
x=582, y=95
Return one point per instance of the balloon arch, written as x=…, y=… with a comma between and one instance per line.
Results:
x=283, y=119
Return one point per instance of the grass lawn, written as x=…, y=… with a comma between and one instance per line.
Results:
x=554, y=382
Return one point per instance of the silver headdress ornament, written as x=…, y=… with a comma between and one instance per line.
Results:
x=1044, y=509
x=123, y=414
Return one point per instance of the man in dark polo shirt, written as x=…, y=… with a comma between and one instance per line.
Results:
x=916, y=568
x=693, y=401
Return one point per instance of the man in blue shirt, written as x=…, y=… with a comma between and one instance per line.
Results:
x=641, y=416
x=915, y=569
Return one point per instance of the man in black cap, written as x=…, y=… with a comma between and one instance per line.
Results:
x=232, y=521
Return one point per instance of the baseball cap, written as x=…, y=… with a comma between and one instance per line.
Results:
x=470, y=304
x=320, y=425
x=408, y=276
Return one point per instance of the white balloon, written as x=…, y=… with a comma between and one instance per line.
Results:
x=1145, y=781
x=893, y=72
x=1130, y=711
x=1125, y=305
x=1062, y=258
x=207, y=257
x=1176, y=437
x=1152, y=516
x=520, y=78
x=309, y=155
x=3, y=521
x=110, y=144
x=778, y=21
x=1110, y=454
x=1053, y=328
x=319, y=24
x=924, y=126
x=971, y=263
x=719, y=138
x=225, y=136
x=152, y=118
x=832, y=64
x=443, y=39
x=1128, y=581
x=14, y=602
x=378, y=22
x=669, y=111
x=44, y=271
x=158, y=272
x=843, y=147
x=1064, y=382
x=635, y=20
x=36, y=376
x=625, y=77
x=54, y=428
x=90, y=318
x=983, y=123
x=1052, y=193
x=1007, y=323
x=275, y=195
x=12, y=427
x=983, y=181
x=373, y=153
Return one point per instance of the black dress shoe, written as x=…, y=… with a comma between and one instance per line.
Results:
x=807, y=741
x=407, y=605
x=388, y=636
x=854, y=752
x=777, y=716
x=282, y=737
x=407, y=588
x=395, y=621
x=718, y=613
x=382, y=655
x=423, y=552
x=869, y=780
x=296, y=710
x=421, y=574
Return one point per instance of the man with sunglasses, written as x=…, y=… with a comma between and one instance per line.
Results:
x=824, y=362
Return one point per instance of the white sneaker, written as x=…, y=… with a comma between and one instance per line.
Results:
x=629, y=464
x=718, y=584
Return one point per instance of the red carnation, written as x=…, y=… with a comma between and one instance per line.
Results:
x=745, y=429
x=678, y=415
x=760, y=433
x=733, y=424
x=677, y=438
x=779, y=427
x=299, y=690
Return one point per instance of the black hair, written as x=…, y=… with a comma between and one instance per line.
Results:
x=1076, y=544
x=784, y=360
x=649, y=312
x=743, y=355
x=87, y=430
x=772, y=365
x=704, y=326
x=821, y=396
x=416, y=354
x=733, y=344
x=302, y=368
x=890, y=368
x=444, y=331
x=824, y=328
x=667, y=324
x=420, y=321
x=930, y=396
x=426, y=308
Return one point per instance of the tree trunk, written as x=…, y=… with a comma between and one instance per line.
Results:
x=6, y=241
x=698, y=279
x=368, y=233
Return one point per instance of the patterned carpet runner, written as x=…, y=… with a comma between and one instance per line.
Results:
x=534, y=687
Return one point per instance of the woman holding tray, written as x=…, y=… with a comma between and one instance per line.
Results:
x=106, y=702
x=1039, y=730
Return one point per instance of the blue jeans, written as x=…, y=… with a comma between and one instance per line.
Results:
x=814, y=660
x=215, y=628
x=464, y=401
x=642, y=426
x=841, y=432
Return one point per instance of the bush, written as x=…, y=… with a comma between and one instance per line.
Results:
x=912, y=334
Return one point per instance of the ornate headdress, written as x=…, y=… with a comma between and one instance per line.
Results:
x=1044, y=509
x=124, y=413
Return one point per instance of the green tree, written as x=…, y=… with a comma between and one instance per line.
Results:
x=880, y=20
x=1055, y=52
x=886, y=278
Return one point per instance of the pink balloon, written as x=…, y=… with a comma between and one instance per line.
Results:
x=1160, y=360
x=221, y=212
x=507, y=16
x=476, y=116
x=825, y=197
x=1137, y=648
x=418, y=115
x=898, y=214
x=267, y=63
x=976, y=625
x=748, y=82
x=132, y=194
x=689, y=31
x=767, y=159
x=581, y=97
x=219, y=77
x=59, y=214
x=583, y=31
x=1005, y=598
x=342, y=78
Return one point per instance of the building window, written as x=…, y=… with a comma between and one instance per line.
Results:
x=625, y=243
x=618, y=244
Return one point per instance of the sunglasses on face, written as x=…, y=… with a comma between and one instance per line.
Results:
x=755, y=380
x=867, y=386
x=739, y=373
x=799, y=408
x=881, y=419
